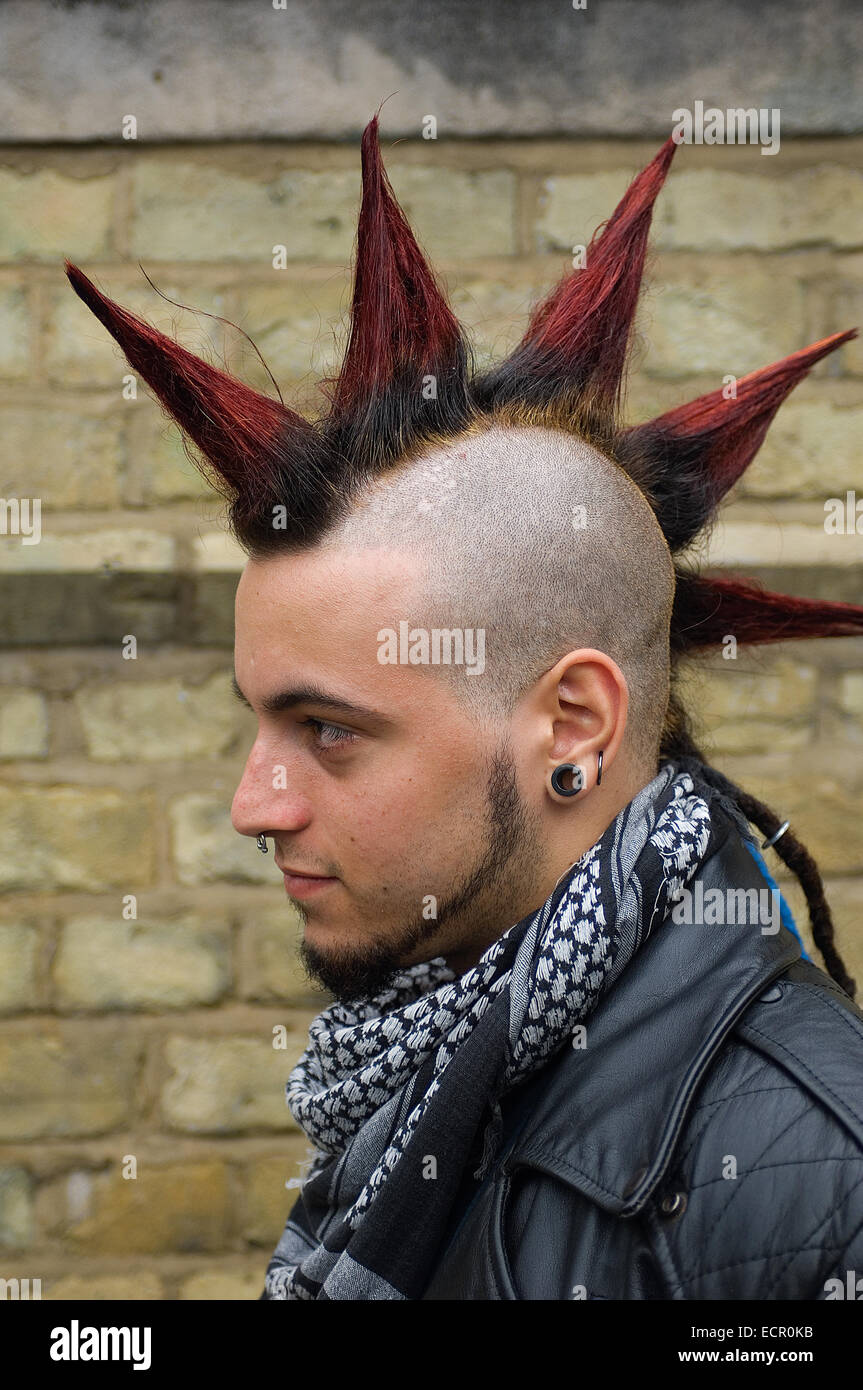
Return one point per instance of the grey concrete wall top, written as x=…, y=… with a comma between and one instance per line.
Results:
x=317, y=69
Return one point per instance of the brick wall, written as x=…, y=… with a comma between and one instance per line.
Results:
x=145, y=1042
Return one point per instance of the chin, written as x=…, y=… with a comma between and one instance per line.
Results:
x=347, y=968
x=327, y=927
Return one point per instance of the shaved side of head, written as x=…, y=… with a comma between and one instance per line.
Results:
x=538, y=540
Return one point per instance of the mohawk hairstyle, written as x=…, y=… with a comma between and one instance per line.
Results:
x=407, y=381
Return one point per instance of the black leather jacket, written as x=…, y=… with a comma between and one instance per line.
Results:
x=707, y=1143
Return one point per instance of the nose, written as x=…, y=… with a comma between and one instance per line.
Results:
x=268, y=799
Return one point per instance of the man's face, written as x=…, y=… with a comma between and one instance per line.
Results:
x=404, y=808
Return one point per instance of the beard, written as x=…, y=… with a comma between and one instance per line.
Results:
x=478, y=902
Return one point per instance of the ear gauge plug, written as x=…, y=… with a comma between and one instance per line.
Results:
x=557, y=782
x=577, y=779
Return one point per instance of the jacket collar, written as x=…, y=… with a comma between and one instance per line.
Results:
x=607, y=1121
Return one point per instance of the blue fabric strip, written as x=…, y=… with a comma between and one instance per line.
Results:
x=784, y=910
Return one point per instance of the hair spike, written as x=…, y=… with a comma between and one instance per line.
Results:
x=707, y=609
x=570, y=363
x=404, y=336
x=688, y=458
x=254, y=450
x=235, y=428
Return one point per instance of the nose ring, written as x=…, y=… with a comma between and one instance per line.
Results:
x=261, y=842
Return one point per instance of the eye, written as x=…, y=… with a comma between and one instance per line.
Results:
x=328, y=735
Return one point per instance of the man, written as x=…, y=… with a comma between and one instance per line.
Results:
x=576, y=1050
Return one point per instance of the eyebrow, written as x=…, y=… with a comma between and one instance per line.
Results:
x=306, y=695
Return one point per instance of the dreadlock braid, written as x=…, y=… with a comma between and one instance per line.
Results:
x=679, y=744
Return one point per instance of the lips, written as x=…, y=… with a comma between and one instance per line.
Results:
x=299, y=884
x=298, y=873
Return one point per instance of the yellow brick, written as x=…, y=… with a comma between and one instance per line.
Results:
x=231, y=1085
x=23, y=724
x=714, y=209
x=811, y=450
x=68, y=459
x=18, y=945
x=151, y=721
x=270, y=968
x=207, y=848
x=105, y=964
x=15, y=337
x=79, y=350
x=719, y=315
x=180, y=1207
x=572, y=206
x=16, y=1209
x=297, y=324
x=104, y=1288
x=495, y=307
x=66, y=1083
x=75, y=837
x=187, y=211
x=110, y=550
x=851, y=693
x=162, y=470
x=846, y=309
x=768, y=707
x=711, y=209
x=48, y=215
x=845, y=900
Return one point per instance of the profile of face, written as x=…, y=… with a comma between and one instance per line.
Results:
x=375, y=779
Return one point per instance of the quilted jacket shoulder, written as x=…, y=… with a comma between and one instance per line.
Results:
x=707, y=1143
x=764, y=1198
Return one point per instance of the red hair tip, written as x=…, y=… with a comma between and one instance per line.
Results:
x=845, y=336
x=667, y=150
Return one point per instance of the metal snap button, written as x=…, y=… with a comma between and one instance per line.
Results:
x=673, y=1204
x=771, y=995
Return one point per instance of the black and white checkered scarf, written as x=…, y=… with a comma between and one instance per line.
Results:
x=400, y=1093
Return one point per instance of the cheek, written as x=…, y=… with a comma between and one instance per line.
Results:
x=435, y=798
x=391, y=812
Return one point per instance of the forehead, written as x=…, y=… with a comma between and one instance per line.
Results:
x=318, y=613
x=353, y=576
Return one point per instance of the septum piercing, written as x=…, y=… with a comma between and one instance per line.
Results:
x=261, y=842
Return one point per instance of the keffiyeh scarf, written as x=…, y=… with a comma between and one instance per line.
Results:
x=400, y=1093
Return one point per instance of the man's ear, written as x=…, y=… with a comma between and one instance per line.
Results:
x=586, y=698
